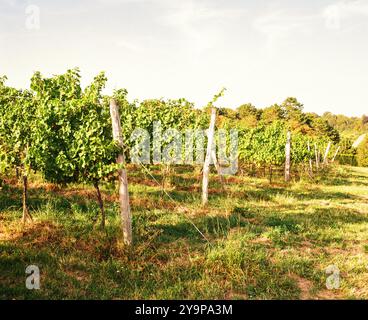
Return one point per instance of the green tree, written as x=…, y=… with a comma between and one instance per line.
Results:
x=17, y=123
x=73, y=138
x=292, y=108
x=249, y=115
x=321, y=127
x=58, y=117
x=362, y=153
x=272, y=113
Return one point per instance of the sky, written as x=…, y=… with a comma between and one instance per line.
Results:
x=262, y=51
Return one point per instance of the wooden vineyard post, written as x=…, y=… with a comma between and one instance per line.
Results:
x=206, y=166
x=317, y=156
x=310, y=161
x=218, y=168
x=287, y=155
x=325, y=158
x=26, y=215
x=100, y=203
x=337, y=151
x=126, y=218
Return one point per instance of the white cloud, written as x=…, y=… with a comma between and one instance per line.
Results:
x=190, y=48
x=338, y=14
x=189, y=12
x=278, y=25
x=120, y=43
x=199, y=22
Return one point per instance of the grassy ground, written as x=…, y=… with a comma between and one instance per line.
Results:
x=266, y=241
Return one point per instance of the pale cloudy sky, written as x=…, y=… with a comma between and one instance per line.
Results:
x=262, y=51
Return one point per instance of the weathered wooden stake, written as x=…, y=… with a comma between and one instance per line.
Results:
x=26, y=215
x=207, y=161
x=310, y=161
x=317, y=156
x=325, y=158
x=218, y=168
x=337, y=151
x=287, y=155
x=270, y=174
x=125, y=213
x=101, y=204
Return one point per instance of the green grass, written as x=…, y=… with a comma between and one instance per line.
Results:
x=266, y=241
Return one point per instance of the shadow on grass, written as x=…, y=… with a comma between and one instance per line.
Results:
x=40, y=198
x=213, y=227
x=269, y=194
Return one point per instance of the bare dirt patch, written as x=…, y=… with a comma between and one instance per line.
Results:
x=304, y=286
